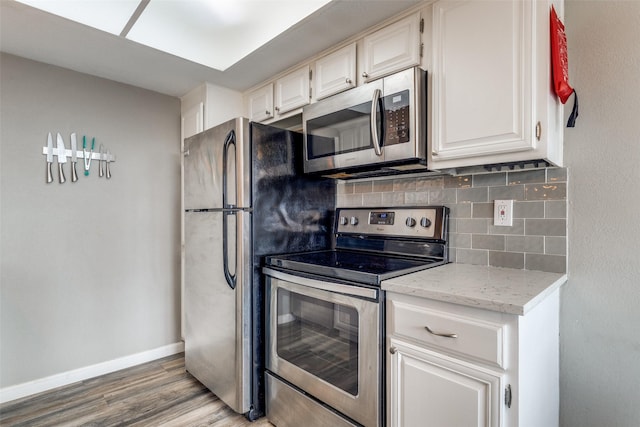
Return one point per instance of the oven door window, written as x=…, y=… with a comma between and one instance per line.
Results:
x=320, y=337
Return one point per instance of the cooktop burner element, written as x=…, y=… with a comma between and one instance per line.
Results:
x=374, y=244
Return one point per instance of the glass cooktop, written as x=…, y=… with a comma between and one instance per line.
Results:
x=362, y=267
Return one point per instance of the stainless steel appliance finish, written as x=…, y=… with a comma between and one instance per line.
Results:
x=324, y=338
x=325, y=318
x=243, y=188
x=375, y=129
x=287, y=406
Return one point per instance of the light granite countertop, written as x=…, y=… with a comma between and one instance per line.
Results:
x=504, y=290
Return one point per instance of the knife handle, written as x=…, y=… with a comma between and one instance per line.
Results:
x=61, y=173
x=49, y=174
x=74, y=174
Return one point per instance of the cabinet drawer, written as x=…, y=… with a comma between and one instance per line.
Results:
x=478, y=339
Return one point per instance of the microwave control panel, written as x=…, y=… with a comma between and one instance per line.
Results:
x=397, y=119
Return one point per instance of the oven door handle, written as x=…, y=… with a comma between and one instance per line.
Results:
x=350, y=290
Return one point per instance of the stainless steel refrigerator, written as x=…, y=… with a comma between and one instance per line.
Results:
x=245, y=197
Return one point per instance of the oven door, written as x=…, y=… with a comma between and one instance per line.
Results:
x=325, y=338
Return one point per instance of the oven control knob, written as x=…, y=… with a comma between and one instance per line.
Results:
x=343, y=220
x=410, y=222
x=354, y=220
x=425, y=222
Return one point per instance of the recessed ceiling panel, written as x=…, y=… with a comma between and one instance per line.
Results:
x=105, y=15
x=217, y=33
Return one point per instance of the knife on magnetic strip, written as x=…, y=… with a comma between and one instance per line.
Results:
x=49, y=158
x=62, y=158
x=74, y=157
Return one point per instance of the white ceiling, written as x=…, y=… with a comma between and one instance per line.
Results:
x=41, y=36
x=214, y=33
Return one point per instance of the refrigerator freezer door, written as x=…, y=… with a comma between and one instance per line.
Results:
x=203, y=159
x=217, y=317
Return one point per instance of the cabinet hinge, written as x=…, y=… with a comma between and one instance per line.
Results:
x=310, y=74
x=422, y=25
x=310, y=90
x=421, y=49
x=508, y=396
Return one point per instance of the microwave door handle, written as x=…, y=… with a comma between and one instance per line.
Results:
x=377, y=142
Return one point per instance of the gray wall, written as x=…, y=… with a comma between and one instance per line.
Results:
x=600, y=320
x=89, y=270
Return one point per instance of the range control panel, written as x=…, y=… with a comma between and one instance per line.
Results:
x=413, y=222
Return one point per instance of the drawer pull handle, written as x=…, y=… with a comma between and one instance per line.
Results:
x=440, y=334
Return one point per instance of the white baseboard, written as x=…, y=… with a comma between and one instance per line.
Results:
x=8, y=394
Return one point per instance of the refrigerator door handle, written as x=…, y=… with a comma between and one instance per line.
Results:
x=228, y=141
x=231, y=278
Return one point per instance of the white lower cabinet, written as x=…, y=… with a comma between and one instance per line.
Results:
x=453, y=365
x=432, y=390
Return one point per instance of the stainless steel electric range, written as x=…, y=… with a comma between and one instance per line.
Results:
x=325, y=317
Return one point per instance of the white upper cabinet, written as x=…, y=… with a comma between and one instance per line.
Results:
x=491, y=89
x=261, y=103
x=335, y=72
x=193, y=120
x=392, y=48
x=292, y=91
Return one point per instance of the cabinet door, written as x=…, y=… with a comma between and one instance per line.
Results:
x=292, y=90
x=193, y=120
x=482, y=79
x=261, y=103
x=426, y=390
x=336, y=72
x=392, y=48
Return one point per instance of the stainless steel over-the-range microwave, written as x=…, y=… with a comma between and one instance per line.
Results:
x=378, y=128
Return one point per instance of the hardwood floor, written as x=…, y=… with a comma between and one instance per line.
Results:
x=158, y=393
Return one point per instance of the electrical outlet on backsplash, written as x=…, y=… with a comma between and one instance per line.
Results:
x=537, y=240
